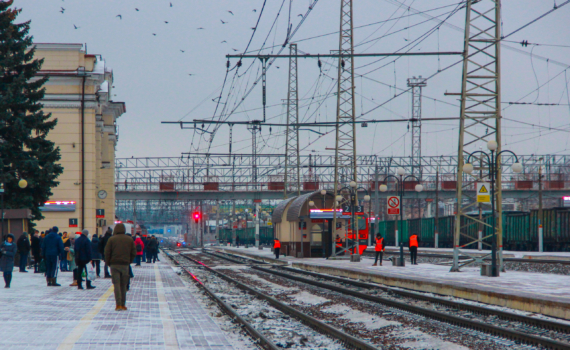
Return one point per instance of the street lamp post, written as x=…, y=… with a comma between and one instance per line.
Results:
x=400, y=189
x=493, y=169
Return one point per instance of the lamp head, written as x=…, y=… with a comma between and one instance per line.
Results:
x=338, y=197
x=517, y=167
x=352, y=184
x=23, y=183
x=311, y=204
x=468, y=168
x=366, y=198
x=400, y=171
x=323, y=192
x=383, y=188
x=419, y=188
x=492, y=145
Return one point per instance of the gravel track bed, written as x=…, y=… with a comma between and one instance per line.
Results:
x=283, y=330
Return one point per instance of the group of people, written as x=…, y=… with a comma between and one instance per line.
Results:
x=147, y=249
x=75, y=251
x=379, y=248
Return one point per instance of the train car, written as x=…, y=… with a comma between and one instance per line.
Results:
x=363, y=228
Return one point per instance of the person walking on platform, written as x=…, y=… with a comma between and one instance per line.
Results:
x=145, y=252
x=120, y=252
x=52, y=248
x=276, y=247
x=96, y=256
x=157, y=249
x=8, y=250
x=70, y=257
x=36, y=251
x=237, y=241
x=140, y=248
x=338, y=244
x=102, y=244
x=379, y=248
x=151, y=246
x=63, y=264
x=413, y=245
x=23, y=245
x=83, y=258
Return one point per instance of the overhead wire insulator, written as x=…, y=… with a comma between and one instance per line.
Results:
x=239, y=63
x=342, y=63
x=228, y=64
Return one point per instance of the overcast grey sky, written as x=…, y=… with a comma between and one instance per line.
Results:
x=152, y=74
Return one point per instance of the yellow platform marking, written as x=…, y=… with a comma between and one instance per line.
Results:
x=85, y=322
x=169, y=331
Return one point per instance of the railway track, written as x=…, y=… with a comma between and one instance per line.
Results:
x=521, y=328
x=347, y=340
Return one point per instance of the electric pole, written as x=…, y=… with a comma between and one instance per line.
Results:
x=417, y=84
x=292, y=172
x=480, y=115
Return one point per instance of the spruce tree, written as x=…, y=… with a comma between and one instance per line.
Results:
x=25, y=151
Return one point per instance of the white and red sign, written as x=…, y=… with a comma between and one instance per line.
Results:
x=394, y=205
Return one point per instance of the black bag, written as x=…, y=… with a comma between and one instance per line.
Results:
x=139, y=248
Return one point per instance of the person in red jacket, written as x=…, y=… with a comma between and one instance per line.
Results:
x=413, y=245
x=276, y=248
x=379, y=248
x=139, y=244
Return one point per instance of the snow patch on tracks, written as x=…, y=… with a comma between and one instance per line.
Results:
x=371, y=322
x=419, y=340
x=308, y=298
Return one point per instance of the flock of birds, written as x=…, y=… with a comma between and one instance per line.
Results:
x=120, y=17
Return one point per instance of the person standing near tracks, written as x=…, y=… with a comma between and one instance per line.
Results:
x=120, y=252
x=378, y=249
x=52, y=248
x=83, y=258
x=276, y=247
x=36, y=251
x=413, y=246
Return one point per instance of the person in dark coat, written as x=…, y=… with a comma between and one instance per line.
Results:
x=8, y=249
x=96, y=255
x=102, y=244
x=64, y=264
x=52, y=248
x=144, y=254
x=24, y=247
x=36, y=251
x=150, y=250
x=82, y=258
x=120, y=252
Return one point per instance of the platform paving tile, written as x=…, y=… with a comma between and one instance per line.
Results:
x=36, y=317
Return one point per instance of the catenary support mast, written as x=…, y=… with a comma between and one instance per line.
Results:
x=292, y=173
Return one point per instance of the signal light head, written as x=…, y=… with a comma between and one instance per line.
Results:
x=196, y=216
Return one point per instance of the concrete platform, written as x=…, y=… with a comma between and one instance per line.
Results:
x=161, y=314
x=546, y=294
x=476, y=252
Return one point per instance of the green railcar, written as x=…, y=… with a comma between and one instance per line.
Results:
x=247, y=235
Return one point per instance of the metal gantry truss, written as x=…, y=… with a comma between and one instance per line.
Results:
x=417, y=84
x=292, y=181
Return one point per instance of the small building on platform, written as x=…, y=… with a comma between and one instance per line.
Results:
x=305, y=230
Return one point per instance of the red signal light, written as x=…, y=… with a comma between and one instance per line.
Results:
x=197, y=216
x=178, y=244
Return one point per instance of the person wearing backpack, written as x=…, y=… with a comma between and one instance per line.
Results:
x=139, y=245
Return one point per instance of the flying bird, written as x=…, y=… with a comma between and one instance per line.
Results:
x=223, y=22
x=121, y=17
x=277, y=67
x=166, y=22
x=253, y=28
x=223, y=42
x=170, y=4
x=235, y=50
x=191, y=74
x=182, y=51
x=201, y=28
x=63, y=10
x=300, y=15
x=154, y=34
x=405, y=39
x=254, y=10
x=231, y=12
x=136, y=9
x=76, y=27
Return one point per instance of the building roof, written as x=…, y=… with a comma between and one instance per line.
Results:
x=297, y=205
x=277, y=215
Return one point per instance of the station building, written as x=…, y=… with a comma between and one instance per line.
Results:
x=79, y=95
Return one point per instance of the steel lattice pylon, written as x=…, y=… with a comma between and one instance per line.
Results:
x=480, y=118
x=292, y=172
x=345, y=150
x=416, y=84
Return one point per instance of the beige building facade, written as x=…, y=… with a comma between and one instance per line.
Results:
x=79, y=95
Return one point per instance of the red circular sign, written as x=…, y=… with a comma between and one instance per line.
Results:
x=394, y=202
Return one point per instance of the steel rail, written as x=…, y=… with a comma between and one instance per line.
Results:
x=440, y=316
x=311, y=321
x=258, y=337
x=542, y=323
